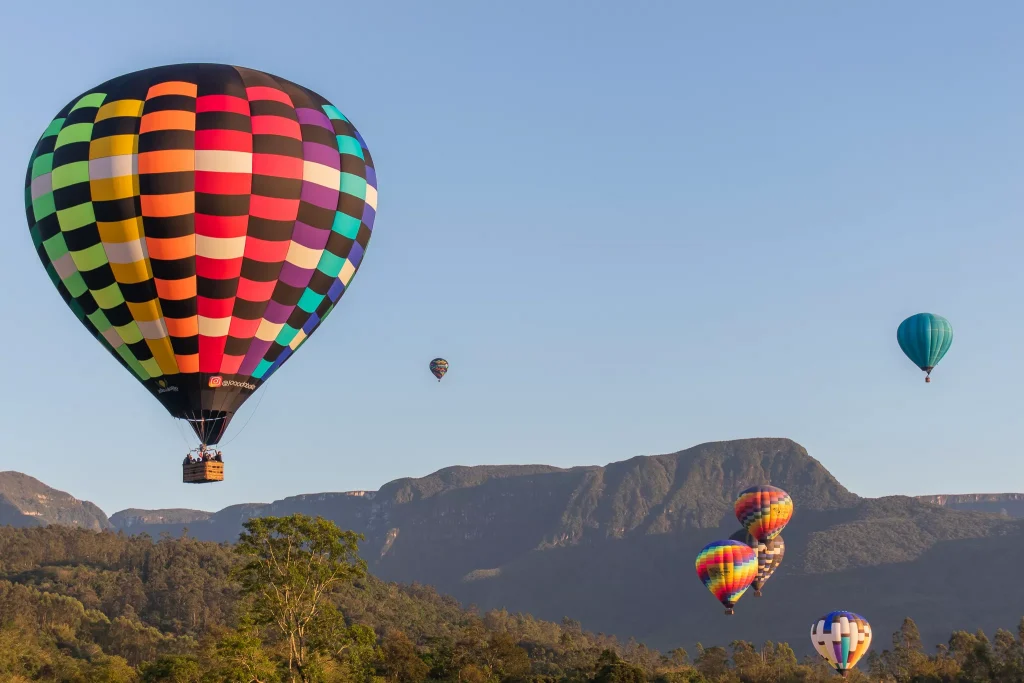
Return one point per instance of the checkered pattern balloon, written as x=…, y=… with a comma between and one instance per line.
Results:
x=201, y=221
x=727, y=568
x=769, y=556
x=764, y=511
x=841, y=638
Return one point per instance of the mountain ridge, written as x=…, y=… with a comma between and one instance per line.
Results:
x=26, y=501
x=1006, y=504
x=545, y=540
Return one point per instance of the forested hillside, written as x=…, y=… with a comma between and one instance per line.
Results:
x=78, y=605
x=546, y=541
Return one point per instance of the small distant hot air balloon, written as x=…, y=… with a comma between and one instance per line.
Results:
x=925, y=338
x=438, y=367
x=764, y=511
x=841, y=638
x=769, y=556
x=727, y=568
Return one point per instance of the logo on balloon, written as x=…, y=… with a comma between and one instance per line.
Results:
x=218, y=381
x=163, y=387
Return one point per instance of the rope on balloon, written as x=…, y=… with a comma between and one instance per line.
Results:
x=184, y=437
x=239, y=432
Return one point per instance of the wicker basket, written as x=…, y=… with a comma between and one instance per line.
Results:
x=202, y=472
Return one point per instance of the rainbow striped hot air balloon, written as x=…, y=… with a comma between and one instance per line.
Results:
x=841, y=638
x=727, y=568
x=764, y=511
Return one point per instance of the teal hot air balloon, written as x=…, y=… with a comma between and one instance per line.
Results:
x=925, y=338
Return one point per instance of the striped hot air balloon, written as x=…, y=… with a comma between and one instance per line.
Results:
x=727, y=568
x=764, y=511
x=769, y=556
x=841, y=638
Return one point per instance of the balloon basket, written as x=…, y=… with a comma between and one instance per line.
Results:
x=202, y=472
x=728, y=610
x=757, y=593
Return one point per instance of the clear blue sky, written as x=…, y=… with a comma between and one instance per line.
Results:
x=631, y=229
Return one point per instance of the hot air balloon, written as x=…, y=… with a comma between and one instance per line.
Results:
x=925, y=338
x=727, y=568
x=769, y=556
x=764, y=511
x=438, y=367
x=201, y=221
x=841, y=638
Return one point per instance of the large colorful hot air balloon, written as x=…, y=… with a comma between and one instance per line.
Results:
x=438, y=367
x=841, y=638
x=769, y=556
x=764, y=511
x=201, y=221
x=727, y=568
x=925, y=338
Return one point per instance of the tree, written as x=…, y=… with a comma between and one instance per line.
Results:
x=353, y=648
x=241, y=657
x=679, y=657
x=612, y=669
x=293, y=567
x=1009, y=656
x=400, y=661
x=172, y=669
x=505, y=658
x=907, y=660
x=712, y=662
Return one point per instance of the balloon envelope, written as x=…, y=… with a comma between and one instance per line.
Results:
x=201, y=221
x=769, y=556
x=925, y=338
x=727, y=568
x=438, y=367
x=764, y=511
x=841, y=638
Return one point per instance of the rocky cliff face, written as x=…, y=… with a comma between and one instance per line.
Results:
x=25, y=501
x=132, y=519
x=1007, y=504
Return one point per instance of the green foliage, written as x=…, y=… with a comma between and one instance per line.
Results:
x=293, y=566
x=173, y=669
x=86, y=607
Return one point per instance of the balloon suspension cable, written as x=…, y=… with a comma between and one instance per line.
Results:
x=183, y=435
x=202, y=428
x=253, y=413
x=191, y=418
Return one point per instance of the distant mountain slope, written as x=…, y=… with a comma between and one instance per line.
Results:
x=132, y=519
x=26, y=502
x=546, y=540
x=1008, y=504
